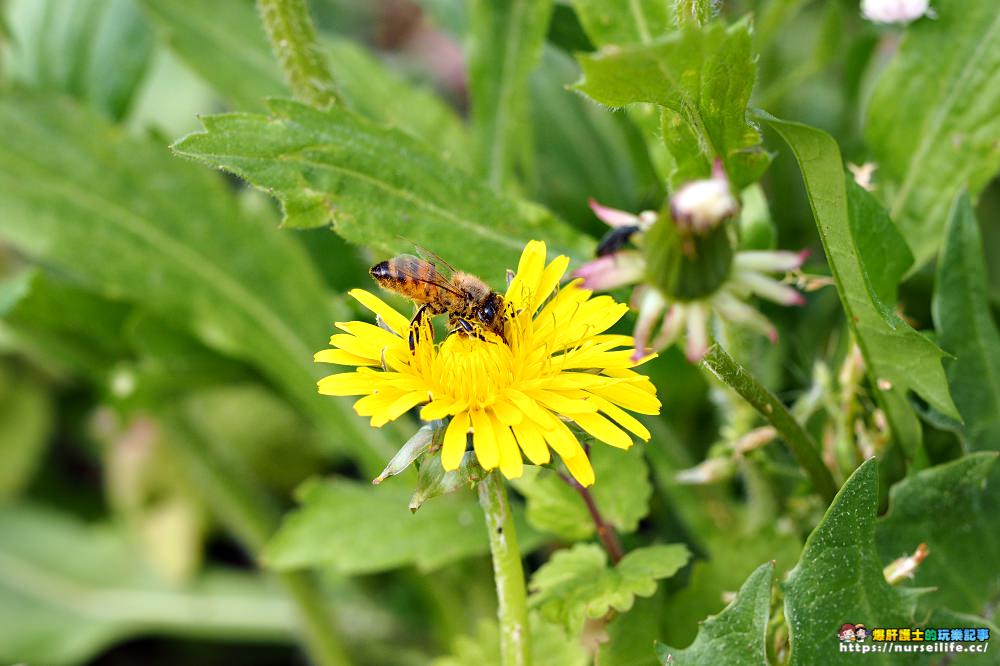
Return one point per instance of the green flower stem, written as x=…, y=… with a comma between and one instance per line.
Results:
x=507, y=570
x=252, y=519
x=805, y=450
x=293, y=40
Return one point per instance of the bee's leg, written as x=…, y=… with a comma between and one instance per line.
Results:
x=417, y=323
x=459, y=325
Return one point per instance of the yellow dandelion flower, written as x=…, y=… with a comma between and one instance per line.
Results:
x=557, y=366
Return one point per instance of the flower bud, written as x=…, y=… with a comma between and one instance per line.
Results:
x=702, y=205
x=895, y=11
x=904, y=568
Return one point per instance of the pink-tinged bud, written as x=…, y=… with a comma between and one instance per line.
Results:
x=905, y=567
x=734, y=310
x=697, y=332
x=651, y=306
x=709, y=471
x=769, y=288
x=612, y=216
x=612, y=271
x=770, y=261
x=895, y=11
x=702, y=205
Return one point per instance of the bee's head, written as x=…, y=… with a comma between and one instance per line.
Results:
x=491, y=313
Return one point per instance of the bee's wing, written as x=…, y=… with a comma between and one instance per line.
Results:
x=432, y=258
x=407, y=270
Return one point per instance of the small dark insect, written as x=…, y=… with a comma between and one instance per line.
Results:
x=469, y=301
x=616, y=239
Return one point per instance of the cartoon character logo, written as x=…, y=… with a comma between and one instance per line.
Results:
x=860, y=633
x=846, y=633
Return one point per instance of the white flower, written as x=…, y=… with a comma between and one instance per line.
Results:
x=895, y=11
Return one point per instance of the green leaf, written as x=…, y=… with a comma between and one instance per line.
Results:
x=68, y=591
x=867, y=258
x=378, y=186
x=839, y=577
x=955, y=509
x=355, y=528
x=702, y=79
x=586, y=152
x=504, y=45
x=549, y=645
x=731, y=555
x=577, y=583
x=373, y=90
x=78, y=194
x=60, y=326
x=94, y=50
x=632, y=635
x=622, y=495
x=224, y=42
x=934, y=118
x=25, y=424
x=966, y=329
x=629, y=22
x=736, y=635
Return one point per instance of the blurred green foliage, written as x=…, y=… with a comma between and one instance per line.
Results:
x=158, y=412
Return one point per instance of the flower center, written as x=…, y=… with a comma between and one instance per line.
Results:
x=471, y=370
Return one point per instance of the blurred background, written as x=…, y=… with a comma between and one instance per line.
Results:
x=157, y=327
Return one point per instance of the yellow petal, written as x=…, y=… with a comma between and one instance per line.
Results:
x=507, y=412
x=563, y=402
x=549, y=280
x=623, y=418
x=579, y=466
x=511, y=464
x=562, y=439
x=604, y=430
x=347, y=383
x=522, y=288
x=364, y=347
x=439, y=408
x=483, y=441
x=532, y=442
x=630, y=397
x=341, y=357
x=397, y=322
x=455, y=438
x=400, y=406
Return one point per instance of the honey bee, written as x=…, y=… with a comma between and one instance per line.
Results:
x=469, y=301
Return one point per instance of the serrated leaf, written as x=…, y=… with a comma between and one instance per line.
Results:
x=357, y=528
x=966, y=329
x=95, y=50
x=125, y=218
x=59, y=609
x=576, y=583
x=839, y=578
x=736, y=635
x=378, y=186
x=934, y=118
x=549, y=645
x=224, y=42
x=702, y=79
x=867, y=257
x=504, y=44
x=622, y=495
x=955, y=509
x=631, y=22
